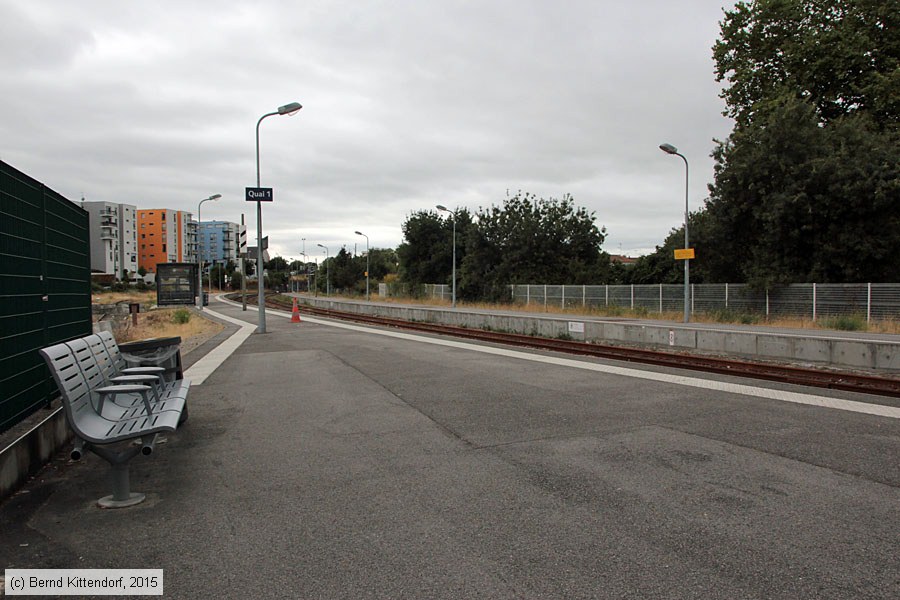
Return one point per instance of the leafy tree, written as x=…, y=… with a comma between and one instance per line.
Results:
x=277, y=264
x=426, y=254
x=532, y=239
x=842, y=56
x=346, y=271
x=812, y=168
x=382, y=261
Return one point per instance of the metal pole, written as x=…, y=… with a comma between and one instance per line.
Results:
x=670, y=149
x=287, y=109
x=453, y=301
x=367, y=262
x=868, y=303
x=243, y=275
x=260, y=279
x=327, y=269
x=199, y=262
x=687, y=261
x=200, y=253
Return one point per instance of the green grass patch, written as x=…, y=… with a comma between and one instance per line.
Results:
x=845, y=323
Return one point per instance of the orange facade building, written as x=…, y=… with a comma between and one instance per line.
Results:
x=165, y=235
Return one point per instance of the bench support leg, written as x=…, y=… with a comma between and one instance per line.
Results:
x=122, y=495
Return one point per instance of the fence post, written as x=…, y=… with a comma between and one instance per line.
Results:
x=583, y=296
x=869, y=303
x=767, y=303
x=545, y=296
x=726, y=295
x=562, y=303
x=527, y=294
x=607, y=294
x=692, y=298
x=632, y=296
x=814, y=302
x=660, y=298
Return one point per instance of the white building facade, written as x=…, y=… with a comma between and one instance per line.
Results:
x=113, y=235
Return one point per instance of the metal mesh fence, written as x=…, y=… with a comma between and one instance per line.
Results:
x=807, y=300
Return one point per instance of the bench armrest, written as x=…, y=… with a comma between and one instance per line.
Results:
x=123, y=379
x=125, y=389
x=138, y=370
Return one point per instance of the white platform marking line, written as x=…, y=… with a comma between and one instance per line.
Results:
x=203, y=368
x=721, y=386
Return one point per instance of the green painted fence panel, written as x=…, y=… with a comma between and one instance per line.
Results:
x=45, y=288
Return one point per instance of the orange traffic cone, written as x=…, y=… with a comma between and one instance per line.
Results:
x=295, y=313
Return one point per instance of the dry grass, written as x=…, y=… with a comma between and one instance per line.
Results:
x=161, y=322
x=157, y=322
x=147, y=298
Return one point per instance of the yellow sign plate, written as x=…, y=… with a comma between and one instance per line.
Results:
x=684, y=254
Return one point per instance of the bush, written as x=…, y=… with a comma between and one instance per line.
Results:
x=845, y=323
x=727, y=315
x=181, y=316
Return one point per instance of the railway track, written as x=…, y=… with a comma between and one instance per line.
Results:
x=824, y=378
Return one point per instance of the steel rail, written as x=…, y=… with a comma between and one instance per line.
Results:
x=824, y=378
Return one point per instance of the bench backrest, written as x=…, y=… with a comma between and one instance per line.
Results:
x=93, y=360
x=112, y=351
x=72, y=384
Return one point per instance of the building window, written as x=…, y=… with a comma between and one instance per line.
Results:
x=164, y=248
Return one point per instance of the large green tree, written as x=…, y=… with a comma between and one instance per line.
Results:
x=842, y=56
x=426, y=254
x=807, y=186
x=530, y=239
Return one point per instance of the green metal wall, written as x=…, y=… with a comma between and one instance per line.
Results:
x=45, y=288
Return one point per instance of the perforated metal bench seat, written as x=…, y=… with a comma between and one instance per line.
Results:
x=105, y=406
x=101, y=350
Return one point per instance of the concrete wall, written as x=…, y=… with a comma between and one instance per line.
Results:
x=25, y=455
x=792, y=348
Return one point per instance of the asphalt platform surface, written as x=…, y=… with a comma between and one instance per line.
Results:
x=329, y=462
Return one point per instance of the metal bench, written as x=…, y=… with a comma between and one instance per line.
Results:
x=109, y=410
x=103, y=350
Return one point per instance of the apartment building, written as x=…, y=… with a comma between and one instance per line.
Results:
x=165, y=235
x=113, y=234
x=220, y=241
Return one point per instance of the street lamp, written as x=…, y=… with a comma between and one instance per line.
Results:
x=287, y=109
x=670, y=149
x=453, y=213
x=200, y=253
x=367, y=263
x=327, y=269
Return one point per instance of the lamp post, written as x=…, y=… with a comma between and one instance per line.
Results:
x=327, y=269
x=670, y=149
x=287, y=109
x=453, y=213
x=200, y=253
x=367, y=263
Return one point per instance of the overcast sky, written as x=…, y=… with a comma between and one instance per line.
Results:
x=405, y=105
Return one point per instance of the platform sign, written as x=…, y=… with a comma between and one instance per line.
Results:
x=684, y=254
x=253, y=194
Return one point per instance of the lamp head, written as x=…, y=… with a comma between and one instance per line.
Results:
x=215, y=197
x=442, y=207
x=668, y=148
x=359, y=233
x=289, y=109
